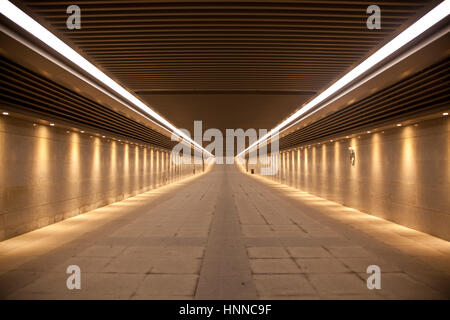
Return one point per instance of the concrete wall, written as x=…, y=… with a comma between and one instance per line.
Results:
x=48, y=174
x=401, y=174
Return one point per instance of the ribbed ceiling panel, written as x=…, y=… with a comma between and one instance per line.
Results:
x=220, y=45
x=26, y=90
x=420, y=93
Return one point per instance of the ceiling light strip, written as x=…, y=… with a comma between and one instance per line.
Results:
x=20, y=18
x=427, y=21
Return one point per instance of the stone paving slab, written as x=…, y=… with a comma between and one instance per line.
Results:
x=225, y=235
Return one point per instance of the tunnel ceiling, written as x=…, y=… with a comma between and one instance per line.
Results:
x=230, y=64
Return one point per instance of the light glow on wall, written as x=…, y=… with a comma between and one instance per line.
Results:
x=144, y=167
x=136, y=176
x=96, y=174
x=74, y=169
x=126, y=171
x=376, y=171
x=298, y=168
x=158, y=169
x=408, y=165
x=41, y=163
x=337, y=164
x=113, y=165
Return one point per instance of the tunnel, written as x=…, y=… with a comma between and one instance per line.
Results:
x=224, y=150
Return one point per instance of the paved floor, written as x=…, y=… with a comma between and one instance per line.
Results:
x=225, y=235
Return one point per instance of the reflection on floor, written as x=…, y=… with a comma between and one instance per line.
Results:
x=225, y=235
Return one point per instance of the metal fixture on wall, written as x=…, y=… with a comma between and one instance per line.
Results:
x=352, y=155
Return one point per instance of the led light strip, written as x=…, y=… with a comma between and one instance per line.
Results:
x=427, y=21
x=20, y=18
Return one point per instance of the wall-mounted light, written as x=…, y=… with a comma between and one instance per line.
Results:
x=399, y=124
x=5, y=113
x=352, y=155
x=52, y=124
x=445, y=114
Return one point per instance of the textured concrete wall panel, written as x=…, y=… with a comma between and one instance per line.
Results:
x=48, y=174
x=401, y=174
